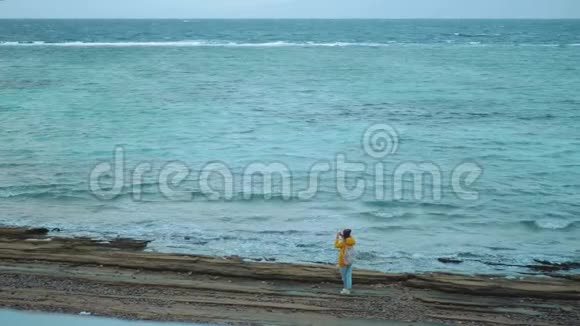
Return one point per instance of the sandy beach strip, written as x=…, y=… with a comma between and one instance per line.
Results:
x=119, y=279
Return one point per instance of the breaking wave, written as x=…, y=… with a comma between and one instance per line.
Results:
x=199, y=43
x=551, y=224
x=235, y=44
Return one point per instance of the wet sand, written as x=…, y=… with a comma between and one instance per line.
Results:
x=118, y=279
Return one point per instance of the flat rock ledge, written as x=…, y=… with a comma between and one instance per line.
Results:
x=34, y=264
x=36, y=244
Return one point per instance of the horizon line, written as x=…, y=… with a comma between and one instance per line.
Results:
x=289, y=18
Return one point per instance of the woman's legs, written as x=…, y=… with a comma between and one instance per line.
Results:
x=343, y=275
x=347, y=279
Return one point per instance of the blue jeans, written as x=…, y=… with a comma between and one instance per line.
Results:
x=346, y=274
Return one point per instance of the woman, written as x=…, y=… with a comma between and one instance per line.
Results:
x=345, y=242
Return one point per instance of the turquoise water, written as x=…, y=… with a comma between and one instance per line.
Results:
x=502, y=94
x=17, y=318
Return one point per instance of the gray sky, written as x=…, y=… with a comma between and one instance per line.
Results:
x=290, y=9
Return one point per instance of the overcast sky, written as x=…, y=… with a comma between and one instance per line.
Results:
x=289, y=8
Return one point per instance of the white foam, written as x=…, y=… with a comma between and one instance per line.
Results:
x=195, y=43
x=552, y=224
x=541, y=45
x=209, y=43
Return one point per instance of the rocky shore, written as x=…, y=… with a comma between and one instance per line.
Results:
x=117, y=278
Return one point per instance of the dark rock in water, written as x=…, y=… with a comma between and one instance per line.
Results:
x=37, y=231
x=490, y=263
x=543, y=266
x=450, y=260
x=322, y=263
x=55, y=230
x=37, y=235
x=234, y=257
x=548, y=266
x=16, y=232
x=131, y=244
x=196, y=241
x=270, y=259
x=544, y=269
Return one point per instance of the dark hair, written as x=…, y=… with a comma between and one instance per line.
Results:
x=346, y=233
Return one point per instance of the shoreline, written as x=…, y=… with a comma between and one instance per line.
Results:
x=116, y=278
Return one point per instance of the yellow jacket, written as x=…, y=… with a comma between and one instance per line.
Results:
x=339, y=244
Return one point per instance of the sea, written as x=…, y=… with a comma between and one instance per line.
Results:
x=490, y=107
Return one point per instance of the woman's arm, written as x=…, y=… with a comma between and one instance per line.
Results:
x=337, y=242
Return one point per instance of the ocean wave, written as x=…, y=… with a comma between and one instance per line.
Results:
x=547, y=45
x=382, y=216
x=390, y=228
x=468, y=254
x=367, y=256
x=279, y=232
x=149, y=193
x=234, y=44
x=409, y=204
x=546, y=224
x=44, y=191
x=104, y=207
x=16, y=165
x=537, y=117
x=551, y=224
x=475, y=35
x=201, y=43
